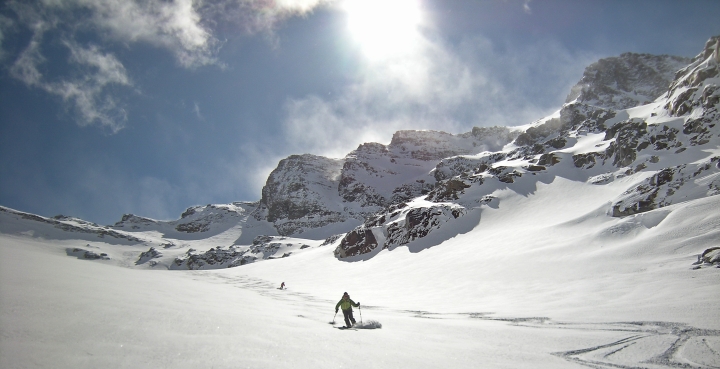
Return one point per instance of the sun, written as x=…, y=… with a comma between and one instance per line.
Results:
x=384, y=28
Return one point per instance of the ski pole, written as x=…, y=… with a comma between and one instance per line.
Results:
x=360, y=309
x=333, y=322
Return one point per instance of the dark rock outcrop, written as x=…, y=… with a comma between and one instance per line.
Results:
x=86, y=254
x=357, y=242
x=148, y=255
x=626, y=81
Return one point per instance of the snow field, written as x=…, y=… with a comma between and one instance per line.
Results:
x=544, y=280
x=64, y=312
x=551, y=259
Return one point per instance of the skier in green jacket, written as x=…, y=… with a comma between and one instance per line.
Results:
x=346, y=304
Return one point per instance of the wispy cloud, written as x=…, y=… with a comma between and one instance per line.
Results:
x=183, y=27
x=88, y=94
x=196, y=110
x=526, y=6
x=420, y=90
x=174, y=25
x=118, y=193
x=25, y=67
x=88, y=84
x=473, y=83
x=253, y=16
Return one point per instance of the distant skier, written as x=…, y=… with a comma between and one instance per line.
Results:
x=282, y=286
x=347, y=304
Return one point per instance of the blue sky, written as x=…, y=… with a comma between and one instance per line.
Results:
x=148, y=107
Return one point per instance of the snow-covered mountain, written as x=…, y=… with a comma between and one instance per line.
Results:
x=650, y=122
x=667, y=149
x=588, y=238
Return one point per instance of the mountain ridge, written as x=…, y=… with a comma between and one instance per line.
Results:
x=380, y=196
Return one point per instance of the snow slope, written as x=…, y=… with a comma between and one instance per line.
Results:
x=575, y=287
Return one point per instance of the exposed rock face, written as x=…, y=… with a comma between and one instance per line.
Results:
x=357, y=242
x=694, y=78
x=214, y=258
x=696, y=92
x=371, y=160
x=450, y=190
x=627, y=136
x=202, y=218
x=302, y=192
x=148, y=255
x=434, y=145
x=262, y=248
x=662, y=188
x=297, y=186
x=307, y=191
x=379, y=176
x=419, y=222
x=400, y=225
x=626, y=81
x=553, y=133
x=131, y=221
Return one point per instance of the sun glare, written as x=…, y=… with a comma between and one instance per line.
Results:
x=384, y=28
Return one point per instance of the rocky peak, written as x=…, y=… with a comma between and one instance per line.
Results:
x=132, y=221
x=626, y=81
x=204, y=218
x=302, y=192
x=430, y=145
x=195, y=219
x=695, y=86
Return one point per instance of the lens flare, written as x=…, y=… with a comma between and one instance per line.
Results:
x=384, y=28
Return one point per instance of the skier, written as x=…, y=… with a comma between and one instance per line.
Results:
x=282, y=286
x=347, y=304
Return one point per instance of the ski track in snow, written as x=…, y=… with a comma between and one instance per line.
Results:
x=649, y=345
